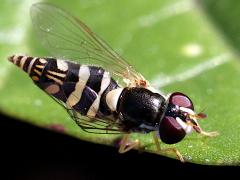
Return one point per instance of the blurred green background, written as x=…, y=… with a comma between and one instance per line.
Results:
x=178, y=45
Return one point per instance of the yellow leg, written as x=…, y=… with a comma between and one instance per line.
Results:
x=199, y=130
x=126, y=145
x=174, y=150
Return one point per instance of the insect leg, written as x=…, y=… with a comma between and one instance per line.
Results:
x=126, y=145
x=159, y=149
x=199, y=130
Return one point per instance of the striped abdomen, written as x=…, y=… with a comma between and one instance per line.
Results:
x=89, y=90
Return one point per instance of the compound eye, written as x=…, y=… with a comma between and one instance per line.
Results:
x=170, y=130
x=181, y=100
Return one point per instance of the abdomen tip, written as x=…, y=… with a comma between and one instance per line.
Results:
x=10, y=58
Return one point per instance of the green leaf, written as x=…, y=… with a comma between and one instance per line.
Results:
x=187, y=48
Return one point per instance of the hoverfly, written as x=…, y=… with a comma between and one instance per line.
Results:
x=98, y=88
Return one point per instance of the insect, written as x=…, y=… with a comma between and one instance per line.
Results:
x=99, y=89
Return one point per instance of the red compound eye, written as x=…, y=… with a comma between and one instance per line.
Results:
x=181, y=99
x=170, y=131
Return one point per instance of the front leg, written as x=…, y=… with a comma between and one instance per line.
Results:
x=159, y=149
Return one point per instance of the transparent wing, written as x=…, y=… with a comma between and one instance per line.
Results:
x=91, y=125
x=69, y=38
x=96, y=125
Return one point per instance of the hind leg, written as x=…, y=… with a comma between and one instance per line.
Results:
x=126, y=145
